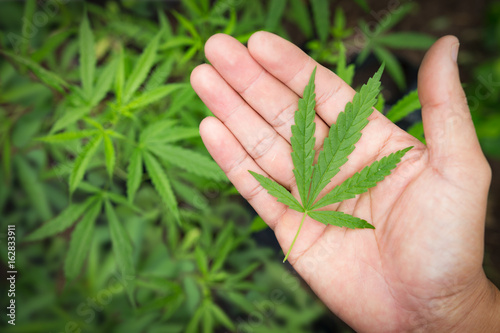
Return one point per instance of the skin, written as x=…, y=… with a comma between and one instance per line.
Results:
x=420, y=269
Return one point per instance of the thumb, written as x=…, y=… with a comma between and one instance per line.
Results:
x=449, y=131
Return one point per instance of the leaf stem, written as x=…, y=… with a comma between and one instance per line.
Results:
x=295, y=238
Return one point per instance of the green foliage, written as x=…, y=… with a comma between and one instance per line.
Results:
x=378, y=40
x=101, y=156
x=339, y=144
x=404, y=107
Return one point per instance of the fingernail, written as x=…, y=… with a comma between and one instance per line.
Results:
x=454, y=51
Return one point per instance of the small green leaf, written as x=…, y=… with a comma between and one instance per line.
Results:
x=301, y=17
x=70, y=116
x=153, y=95
x=120, y=76
x=361, y=181
x=393, y=66
x=363, y=4
x=186, y=24
x=417, y=130
x=161, y=183
x=321, y=14
x=274, y=14
x=87, y=57
x=406, y=40
x=201, y=260
x=81, y=239
x=103, y=83
x=278, y=191
x=156, y=131
x=190, y=161
x=404, y=107
x=193, y=324
x=258, y=224
x=82, y=161
x=109, y=152
x=49, y=78
x=134, y=173
x=160, y=74
x=339, y=219
x=67, y=136
x=122, y=247
x=141, y=69
x=208, y=320
x=221, y=317
x=33, y=187
x=346, y=73
x=303, y=140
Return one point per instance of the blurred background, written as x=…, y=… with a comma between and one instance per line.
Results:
x=123, y=221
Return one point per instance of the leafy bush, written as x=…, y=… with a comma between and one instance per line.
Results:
x=125, y=224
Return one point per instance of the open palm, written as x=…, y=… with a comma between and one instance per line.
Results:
x=425, y=255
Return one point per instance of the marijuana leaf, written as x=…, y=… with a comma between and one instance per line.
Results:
x=339, y=144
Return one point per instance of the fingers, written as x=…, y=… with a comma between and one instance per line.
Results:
x=274, y=101
x=290, y=65
x=448, y=127
x=257, y=137
x=235, y=162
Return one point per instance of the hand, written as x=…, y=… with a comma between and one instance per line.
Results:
x=420, y=269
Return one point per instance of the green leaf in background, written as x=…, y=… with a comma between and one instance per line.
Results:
x=186, y=24
x=406, y=40
x=87, y=57
x=160, y=74
x=161, y=183
x=29, y=11
x=122, y=247
x=154, y=95
x=201, y=260
x=70, y=116
x=82, y=161
x=300, y=13
x=134, y=173
x=339, y=219
x=361, y=181
x=156, y=130
x=404, y=107
x=67, y=136
x=344, y=71
x=33, y=187
x=363, y=4
x=109, y=153
x=49, y=78
x=258, y=224
x=63, y=221
x=141, y=69
x=321, y=14
x=190, y=161
x=104, y=83
x=80, y=241
x=120, y=76
x=417, y=130
x=392, y=64
x=51, y=45
x=274, y=14
x=177, y=133
x=221, y=317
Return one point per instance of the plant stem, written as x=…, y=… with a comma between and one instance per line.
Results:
x=295, y=238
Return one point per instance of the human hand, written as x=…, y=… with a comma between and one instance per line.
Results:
x=420, y=269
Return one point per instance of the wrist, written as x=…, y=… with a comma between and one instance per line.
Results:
x=475, y=311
